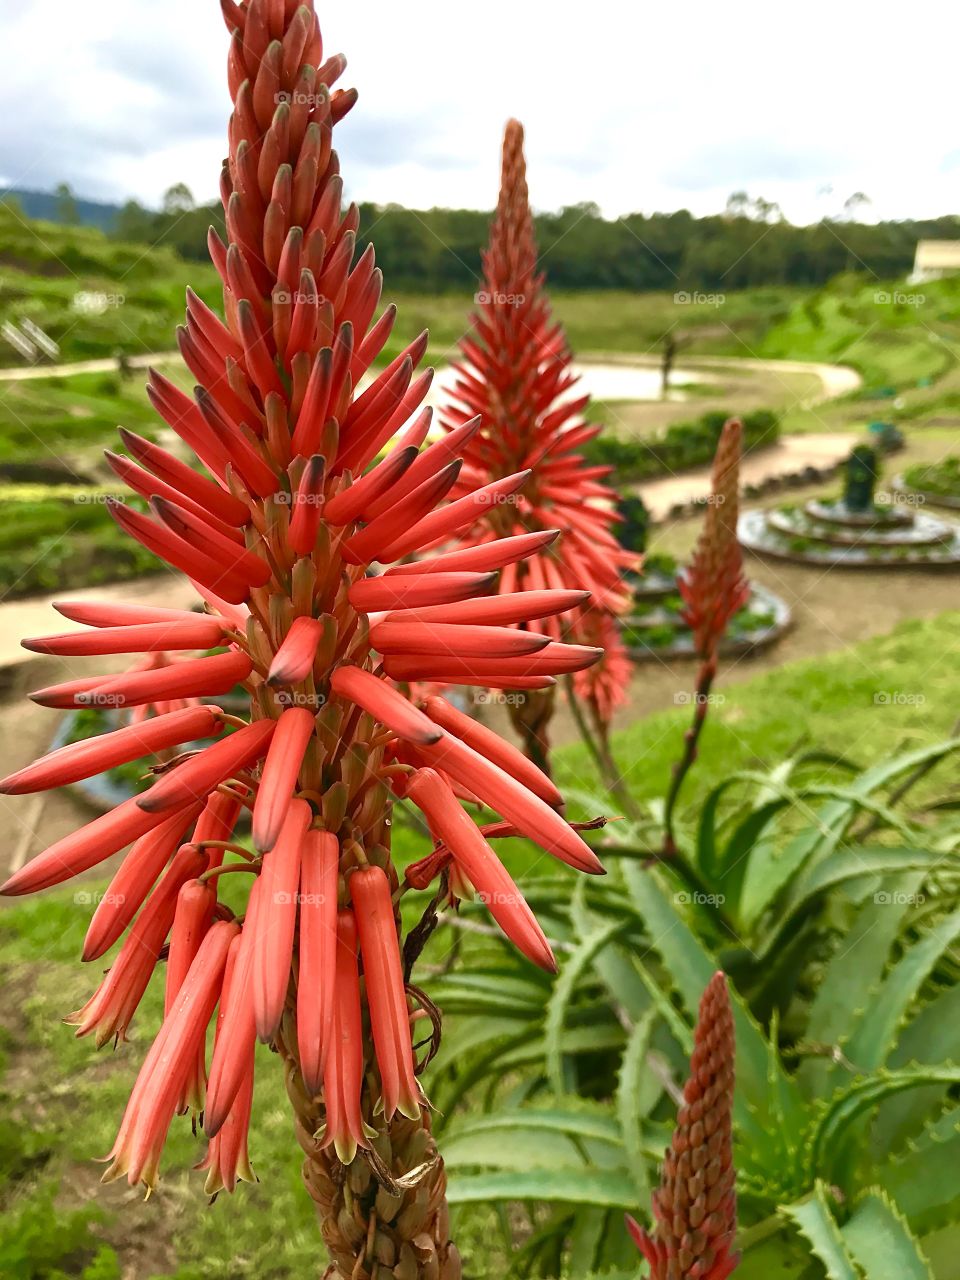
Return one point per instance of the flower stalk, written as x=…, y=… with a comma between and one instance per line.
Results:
x=694, y=1210
x=713, y=588
x=321, y=530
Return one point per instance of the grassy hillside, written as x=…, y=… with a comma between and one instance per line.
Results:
x=94, y=296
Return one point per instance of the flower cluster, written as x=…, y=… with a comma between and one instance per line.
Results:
x=713, y=585
x=516, y=372
x=695, y=1208
x=309, y=530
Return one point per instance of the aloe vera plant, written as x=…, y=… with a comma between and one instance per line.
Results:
x=842, y=955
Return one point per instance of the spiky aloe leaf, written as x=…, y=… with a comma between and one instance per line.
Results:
x=615, y=964
x=638, y=1091
x=759, y=1111
x=815, y=1220
x=879, y=1240
x=923, y=1180
x=931, y=1035
x=854, y=974
x=850, y=863
x=874, y=1032
x=830, y=1130
x=601, y=1188
x=575, y=967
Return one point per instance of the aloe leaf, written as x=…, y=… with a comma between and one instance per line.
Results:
x=880, y=1241
x=815, y=1220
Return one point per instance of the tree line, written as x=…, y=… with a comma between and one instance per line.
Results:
x=749, y=244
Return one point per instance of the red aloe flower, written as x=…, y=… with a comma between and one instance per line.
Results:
x=713, y=585
x=713, y=588
x=278, y=532
x=695, y=1217
x=516, y=373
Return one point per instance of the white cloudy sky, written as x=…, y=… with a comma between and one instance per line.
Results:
x=633, y=106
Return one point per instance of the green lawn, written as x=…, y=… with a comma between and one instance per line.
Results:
x=63, y=1100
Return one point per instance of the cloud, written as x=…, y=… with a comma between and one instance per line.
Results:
x=633, y=107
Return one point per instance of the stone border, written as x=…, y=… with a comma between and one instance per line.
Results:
x=899, y=485
x=753, y=525
x=751, y=641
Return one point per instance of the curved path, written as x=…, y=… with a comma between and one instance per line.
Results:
x=632, y=378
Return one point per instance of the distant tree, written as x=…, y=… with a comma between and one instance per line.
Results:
x=178, y=199
x=738, y=204
x=133, y=222
x=854, y=204
x=67, y=211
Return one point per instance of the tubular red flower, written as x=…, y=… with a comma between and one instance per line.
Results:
x=87, y=847
x=96, y=755
x=227, y=1159
x=283, y=762
x=109, y=1010
x=236, y=1027
x=134, y=878
x=143, y=1131
x=451, y=827
x=319, y=876
x=276, y=921
x=491, y=746
x=191, y=678
x=191, y=920
x=198, y=776
x=343, y=1067
x=385, y=990
x=293, y=661
x=149, y=637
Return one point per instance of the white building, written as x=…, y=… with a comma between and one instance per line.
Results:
x=935, y=259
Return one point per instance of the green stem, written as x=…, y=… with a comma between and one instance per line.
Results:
x=705, y=677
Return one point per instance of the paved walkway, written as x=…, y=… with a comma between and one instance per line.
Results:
x=35, y=616
x=788, y=455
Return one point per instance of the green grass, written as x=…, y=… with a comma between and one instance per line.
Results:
x=63, y=536
x=45, y=269
x=60, y=426
x=64, y=1100
x=897, y=690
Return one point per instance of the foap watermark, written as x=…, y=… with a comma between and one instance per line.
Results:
x=297, y=98
x=686, y=698
x=89, y=898
x=898, y=698
x=894, y=898
x=297, y=297
x=696, y=299
x=300, y=698
x=500, y=899
x=698, y=899
x=484, y=298
x=894, y=498
x=283, y=899
x=897, y=298
x=498, y=698
x=89, y=302
x=96, y=498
